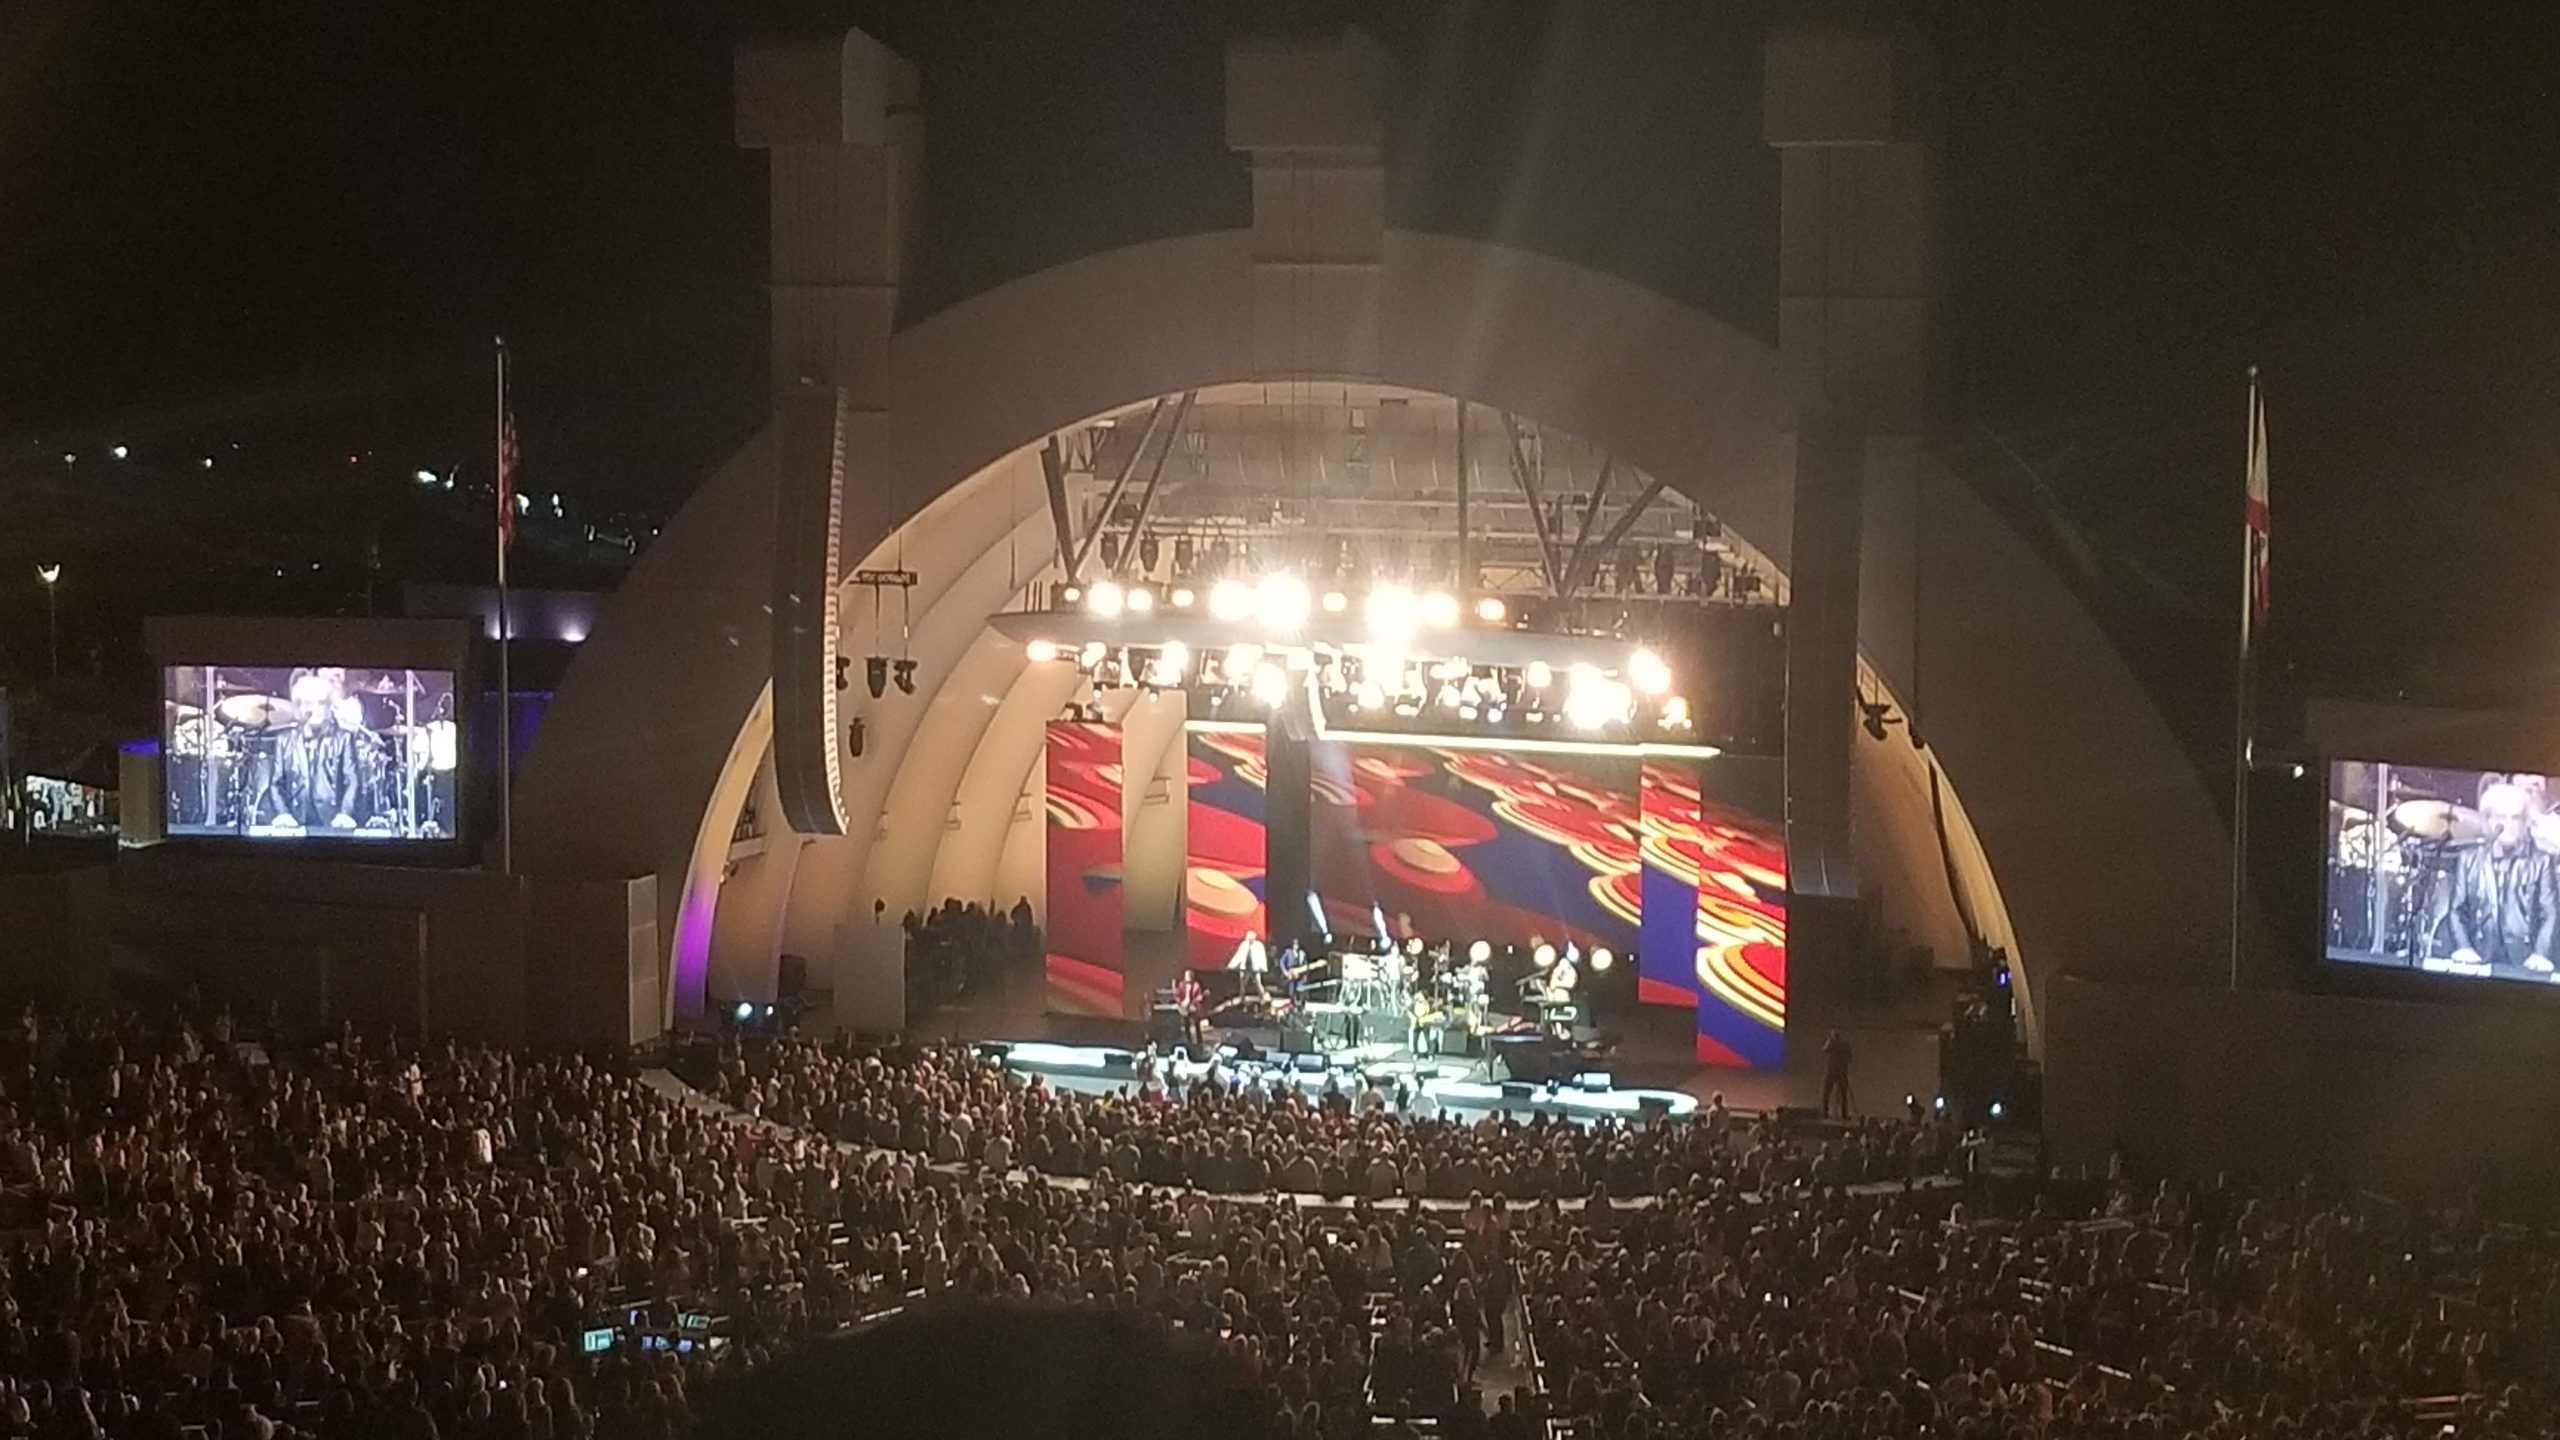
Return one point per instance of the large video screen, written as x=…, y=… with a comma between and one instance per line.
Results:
x=1084, y=921
x=314, y=752
x=2448, y=872
x=1469, y=844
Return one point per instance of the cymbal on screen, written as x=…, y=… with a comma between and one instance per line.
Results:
x=2438, y=820
x=253, y=712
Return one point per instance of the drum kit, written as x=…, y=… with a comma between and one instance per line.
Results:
x=2392, y=875
x=222, y=758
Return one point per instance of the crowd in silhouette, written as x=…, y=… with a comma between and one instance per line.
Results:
x=206, y=1233
x=957, y=950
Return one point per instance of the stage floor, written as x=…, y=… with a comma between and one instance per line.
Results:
x=1895, y=1046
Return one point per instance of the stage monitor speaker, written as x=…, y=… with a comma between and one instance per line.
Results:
x=1519, y=1090
x=1310, y=1062
x=1653, y=1108
x=1531, y=1057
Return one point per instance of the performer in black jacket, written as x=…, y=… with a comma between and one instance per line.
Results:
x=312, y=782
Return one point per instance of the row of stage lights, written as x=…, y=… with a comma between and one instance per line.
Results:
x=1587, y=698
x=1382, y=681
x=1601, y=959
x=1282, y=605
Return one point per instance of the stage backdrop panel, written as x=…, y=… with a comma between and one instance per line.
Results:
x=1084, y=804
x=1716, y=830
x=1225, y=862
x=1668, y=968
x=1465, y=844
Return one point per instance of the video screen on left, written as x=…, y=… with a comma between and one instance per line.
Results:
x=316, y=752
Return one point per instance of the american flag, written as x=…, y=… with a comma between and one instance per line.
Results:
x=506, y=463
x=2253, y=517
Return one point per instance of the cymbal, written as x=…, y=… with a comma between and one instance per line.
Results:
x=254, y=712
x=2438, y=820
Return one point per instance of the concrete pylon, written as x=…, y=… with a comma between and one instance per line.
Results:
x=842, y=120
x=1851, y=107
x=1306, y=114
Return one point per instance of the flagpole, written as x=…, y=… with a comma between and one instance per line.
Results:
x=2241, y=687
x=506, y=688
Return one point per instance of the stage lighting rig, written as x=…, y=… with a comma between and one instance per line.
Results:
x=905, y=670
x=1878, y=717
x=875, y=673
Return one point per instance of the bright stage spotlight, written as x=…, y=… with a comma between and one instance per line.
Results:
x=1413, y=944
x=1071, y=594
x=1481, y=951
x=1106, y=599
x=1491, y=610
x=1092, y=653
x=1270, y=684
x=1651, y=676
x=1538, y=676
x=1675, y=713
x=1335, y=602
x=1594, y=704
x=1177, y=656
x=1391, y=612
x=1371, y=695
x=1544, y=957
x=1182, y=597
x=1440, y=610
x=1230, y=600
x=1601, y=960
x=1280, y=603
x=1141, y=600
x=1040, y=652
x=1240, y=661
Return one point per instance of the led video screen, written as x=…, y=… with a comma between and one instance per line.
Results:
x=1222, y=880
x=1083, y=924
x=1467, y=844
x=1715, y=902
x=2443, y=871
x=318, y=752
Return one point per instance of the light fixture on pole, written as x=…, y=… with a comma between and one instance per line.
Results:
x=51, y=575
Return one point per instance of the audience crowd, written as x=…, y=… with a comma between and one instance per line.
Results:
x=205, y=1236
x=955, y=950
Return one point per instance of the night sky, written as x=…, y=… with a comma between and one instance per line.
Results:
x=301, y=223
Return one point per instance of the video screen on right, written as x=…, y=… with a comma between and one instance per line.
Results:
x=2446, y=872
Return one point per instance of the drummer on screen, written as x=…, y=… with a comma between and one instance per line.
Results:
x=2506, y=898
x=313, y=782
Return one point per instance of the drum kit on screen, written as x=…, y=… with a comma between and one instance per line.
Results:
x=2392, y=877
x=221, y=759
